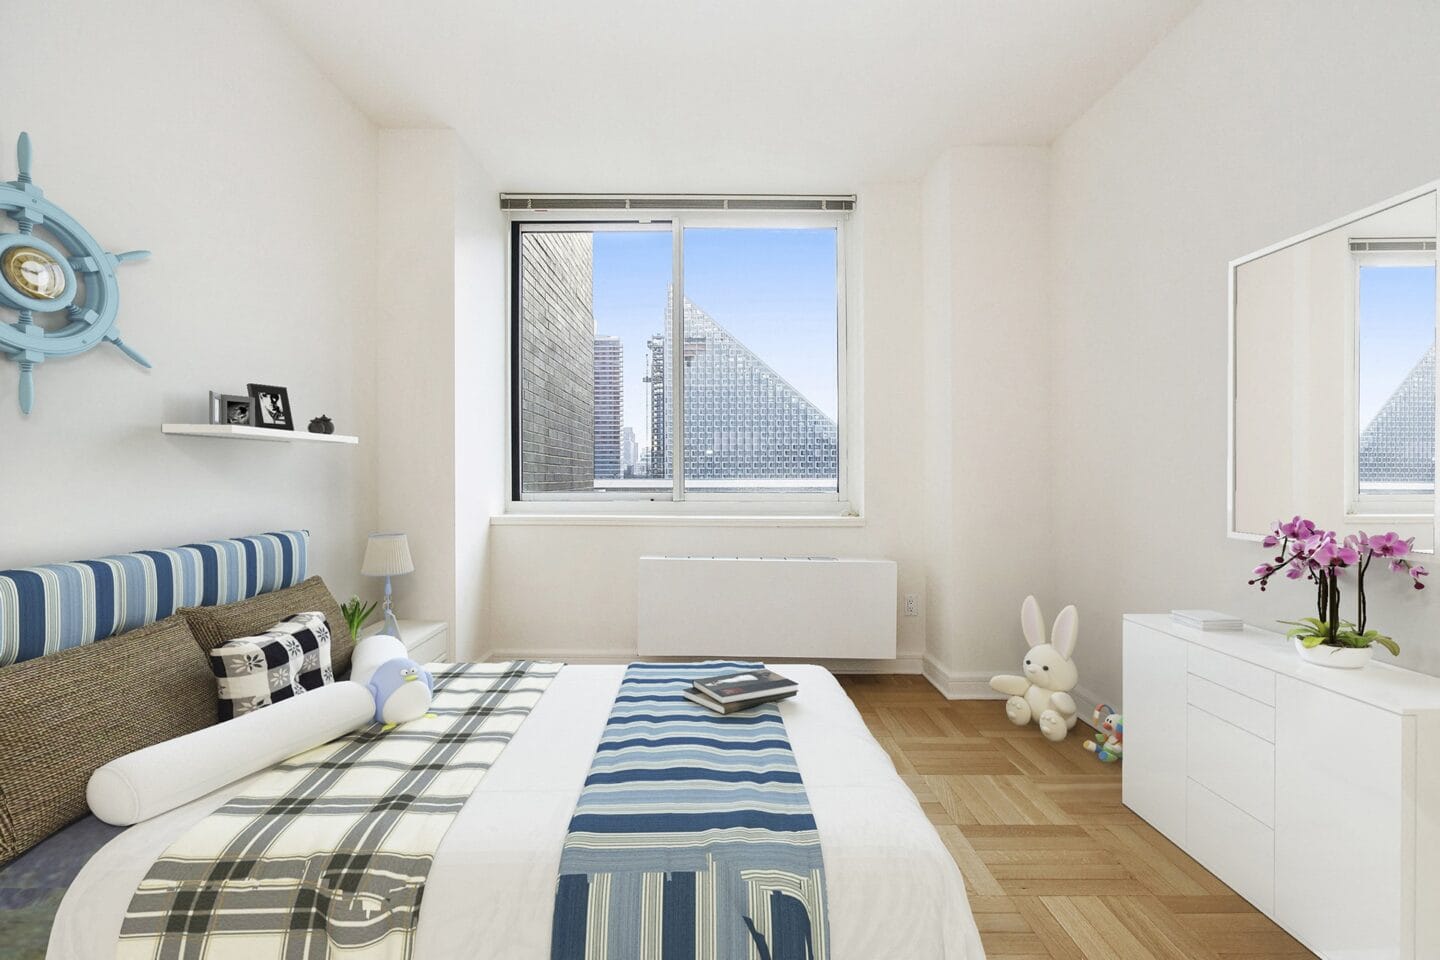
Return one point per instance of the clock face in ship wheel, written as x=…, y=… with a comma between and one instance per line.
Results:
x=63, y=274
x=33, y=273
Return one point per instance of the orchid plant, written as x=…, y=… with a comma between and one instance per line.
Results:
x=1322, y=557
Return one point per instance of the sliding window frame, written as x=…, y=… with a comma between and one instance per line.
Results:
x=843, y=502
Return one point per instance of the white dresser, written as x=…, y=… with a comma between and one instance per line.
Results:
x=1314, y=793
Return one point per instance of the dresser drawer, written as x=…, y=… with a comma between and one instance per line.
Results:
x=1231, y=844
x=1232, y=763
x=1257, y=683
x=1249, y=715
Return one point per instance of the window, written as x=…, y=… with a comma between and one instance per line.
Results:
x=1393, y=444
x=691, y=358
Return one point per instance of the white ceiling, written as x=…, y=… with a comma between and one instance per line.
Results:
x=725, y=95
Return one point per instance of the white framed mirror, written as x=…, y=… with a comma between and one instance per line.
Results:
x=1332, y=375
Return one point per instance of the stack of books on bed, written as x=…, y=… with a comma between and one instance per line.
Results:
x=736, y=691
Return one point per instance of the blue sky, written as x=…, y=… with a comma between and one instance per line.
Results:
x=773, y=289
x=1397, y=326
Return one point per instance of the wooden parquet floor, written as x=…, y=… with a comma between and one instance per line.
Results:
x=1056, y=867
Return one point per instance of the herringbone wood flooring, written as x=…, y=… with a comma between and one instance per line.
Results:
x=1056, y=867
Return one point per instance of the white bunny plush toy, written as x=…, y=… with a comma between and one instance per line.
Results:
x=1043, y=693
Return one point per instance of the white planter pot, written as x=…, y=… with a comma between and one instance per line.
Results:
x=1346, y=658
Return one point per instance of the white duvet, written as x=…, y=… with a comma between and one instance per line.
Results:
x=894, y=891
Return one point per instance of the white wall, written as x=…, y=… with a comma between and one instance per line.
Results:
x=986, y=365
x=1247, y=124
x=937, y=436
x=569, y=590
x=197, y=131
x=415, y=372
x=482, y=446
x=440, y=374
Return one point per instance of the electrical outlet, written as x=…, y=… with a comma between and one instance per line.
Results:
x=912, y=605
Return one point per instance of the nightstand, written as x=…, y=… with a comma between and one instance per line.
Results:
x=428, y=641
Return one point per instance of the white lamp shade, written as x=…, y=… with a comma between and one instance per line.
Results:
x=387, y=555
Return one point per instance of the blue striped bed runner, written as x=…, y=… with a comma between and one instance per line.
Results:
x=693, y=837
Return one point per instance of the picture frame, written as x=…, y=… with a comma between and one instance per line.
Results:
x=231, y=409
x=270, y=407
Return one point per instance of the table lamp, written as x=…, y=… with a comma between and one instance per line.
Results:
x=387, y=555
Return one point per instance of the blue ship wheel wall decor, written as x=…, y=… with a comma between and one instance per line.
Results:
x=73, y=274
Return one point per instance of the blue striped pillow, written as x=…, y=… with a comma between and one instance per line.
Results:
x=56, y=606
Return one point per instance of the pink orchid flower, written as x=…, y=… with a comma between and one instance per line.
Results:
x=1332, y=554
x=1390, y=545
x=1297, y=529
x=1330, y=560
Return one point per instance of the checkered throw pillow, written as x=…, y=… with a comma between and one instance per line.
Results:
x=291, y=657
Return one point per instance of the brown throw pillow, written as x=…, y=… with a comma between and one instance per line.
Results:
x=213, y=626
x=64, y=715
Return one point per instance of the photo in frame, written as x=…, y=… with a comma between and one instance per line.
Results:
x=271, y=407
x=231, y=409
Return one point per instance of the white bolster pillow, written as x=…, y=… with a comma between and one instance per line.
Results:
x=371, y=652
x=149, y=782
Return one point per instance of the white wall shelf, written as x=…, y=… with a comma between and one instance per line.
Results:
x=225, y=431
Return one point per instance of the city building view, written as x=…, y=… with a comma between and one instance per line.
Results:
x=743, y=421
x=746, y=427
x=557, y=363
x=629, y=453
x=1397, y=447
x=609, y=407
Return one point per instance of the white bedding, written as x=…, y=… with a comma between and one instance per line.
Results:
x=894, y=891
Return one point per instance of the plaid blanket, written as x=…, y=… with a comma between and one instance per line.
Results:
x=329, y=851
x=693, y=837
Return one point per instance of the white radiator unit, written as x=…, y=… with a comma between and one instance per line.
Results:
x=794, y=607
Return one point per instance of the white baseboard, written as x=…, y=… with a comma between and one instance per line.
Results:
x=900, y=665
x=971, y=685
x=1085, y=702
x=975, y=685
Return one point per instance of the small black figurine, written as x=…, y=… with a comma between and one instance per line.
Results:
x=322, y=424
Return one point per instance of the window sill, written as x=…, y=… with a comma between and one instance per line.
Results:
x=1398, y=519
x=667, y=520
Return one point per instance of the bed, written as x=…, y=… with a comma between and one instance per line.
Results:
x=894, y=891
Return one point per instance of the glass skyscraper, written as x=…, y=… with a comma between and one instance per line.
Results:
x=743, y=421
x=609, y=407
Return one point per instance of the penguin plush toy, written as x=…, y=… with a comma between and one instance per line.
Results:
x=402, y=690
